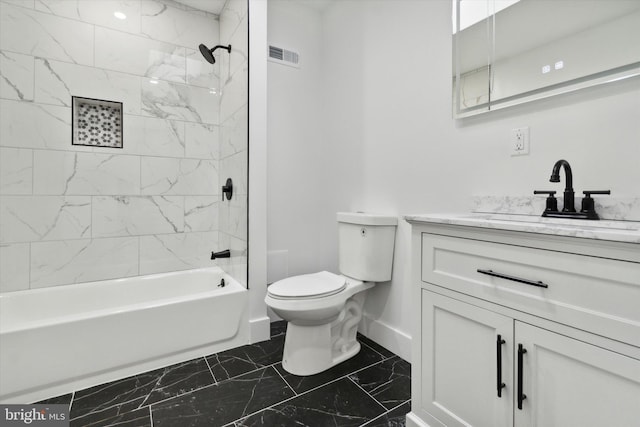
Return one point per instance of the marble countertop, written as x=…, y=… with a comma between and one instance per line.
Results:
x=619, y=231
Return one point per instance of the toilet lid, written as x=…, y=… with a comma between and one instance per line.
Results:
x=314, y=285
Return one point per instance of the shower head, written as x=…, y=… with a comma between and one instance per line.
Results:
x=208, y=53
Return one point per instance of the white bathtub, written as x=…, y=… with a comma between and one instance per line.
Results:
x=56, y=340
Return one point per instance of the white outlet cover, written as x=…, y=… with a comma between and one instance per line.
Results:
x=519, y=141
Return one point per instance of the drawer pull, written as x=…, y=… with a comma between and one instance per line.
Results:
x=499, y=343
x=513, y=278
x=521, y=395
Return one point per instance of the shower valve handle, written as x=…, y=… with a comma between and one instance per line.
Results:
x=227, y=189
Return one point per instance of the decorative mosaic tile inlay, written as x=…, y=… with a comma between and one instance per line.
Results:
x=97, y=122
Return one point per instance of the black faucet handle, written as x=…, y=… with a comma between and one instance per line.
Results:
x=588, y=206
x=588, y=193
x=552, y=202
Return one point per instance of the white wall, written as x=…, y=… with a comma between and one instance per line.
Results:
x=304, y=189
x=386, y=80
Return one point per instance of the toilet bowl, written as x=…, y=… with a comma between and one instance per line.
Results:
x=323, y=318
x=323, y=309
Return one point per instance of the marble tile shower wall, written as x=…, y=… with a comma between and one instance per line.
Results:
x=234, y=77
x=71, y=214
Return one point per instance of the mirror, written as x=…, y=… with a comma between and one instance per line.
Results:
x=507, y=52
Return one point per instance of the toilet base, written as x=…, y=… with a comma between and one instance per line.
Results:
x=309, y=350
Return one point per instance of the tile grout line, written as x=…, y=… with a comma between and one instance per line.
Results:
x=285, y=381
x=98, y=410
x=215, y=380
x=73, y=395
x=338, y=378
x=33, y=178
x=273, y=366
x=179, y=395
x=305, y=392
x=209, y=385
x=129, y=236
x=385, y=413
x=33, y=169
x=376, y=351
x=367, y=393
x=145, y=399
x=111, y=151
x=91, y=149
x=268, y=407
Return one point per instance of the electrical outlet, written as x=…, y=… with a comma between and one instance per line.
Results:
x=519, y=141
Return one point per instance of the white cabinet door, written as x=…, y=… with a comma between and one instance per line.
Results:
x=460, y=354
x=570, y=383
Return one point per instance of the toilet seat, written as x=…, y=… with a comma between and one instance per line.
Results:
x=308, y=286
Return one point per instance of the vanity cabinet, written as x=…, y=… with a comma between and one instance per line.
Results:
x=460, y=363
x=517, y=329
x=568, y=382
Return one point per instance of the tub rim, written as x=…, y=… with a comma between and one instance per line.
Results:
x=232, y=286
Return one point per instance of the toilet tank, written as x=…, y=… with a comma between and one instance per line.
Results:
x=365, y=245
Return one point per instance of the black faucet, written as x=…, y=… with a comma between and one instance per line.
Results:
x=569, y=203
x=222, y=254
x=588, y=210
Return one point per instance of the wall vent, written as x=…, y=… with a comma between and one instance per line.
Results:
x=284, y=56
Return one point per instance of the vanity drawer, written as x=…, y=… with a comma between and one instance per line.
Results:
x=595, y=294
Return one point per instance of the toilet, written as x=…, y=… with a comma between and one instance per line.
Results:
x=323, y=309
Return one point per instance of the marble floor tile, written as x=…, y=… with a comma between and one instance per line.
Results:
x=136, y=418
x=179, y=379
x=372, y=389
x=364, y=358
x=237, y=361
x=65, y=399
x=278, y=329
x=115, y=398
x=394, y=418
x=374, y=345
x=340, y=403
x=389, y=382
x=224, y=402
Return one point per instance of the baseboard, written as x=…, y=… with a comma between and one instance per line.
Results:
x=259, y=329
x=414, y=421
x=387, y=336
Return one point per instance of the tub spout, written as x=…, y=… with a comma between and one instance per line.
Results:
x=222, y=254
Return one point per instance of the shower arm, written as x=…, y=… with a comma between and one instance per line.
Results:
x=227, y=48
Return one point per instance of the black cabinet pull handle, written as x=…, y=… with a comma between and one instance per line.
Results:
x=513, y=278
x=521, y=395
x=500, y=384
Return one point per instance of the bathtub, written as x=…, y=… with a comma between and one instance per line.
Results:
x=57, y=340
